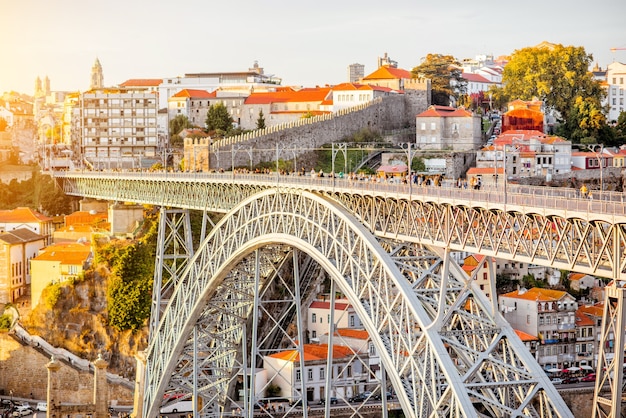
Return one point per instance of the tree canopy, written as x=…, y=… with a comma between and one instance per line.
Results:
x=260, y=122
x=218, y=119
x=557, y=75
x=445, y=76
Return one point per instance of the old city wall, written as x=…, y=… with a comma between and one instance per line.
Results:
x=392, y=112
x=580, y=401
x=23, y=371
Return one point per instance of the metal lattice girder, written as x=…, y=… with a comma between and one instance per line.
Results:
x=587, y=242
x=445, y=351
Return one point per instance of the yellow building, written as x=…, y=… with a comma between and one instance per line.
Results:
x=58, y=263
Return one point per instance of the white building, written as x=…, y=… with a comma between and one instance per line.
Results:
x=319, y=317
x=550, y=316
x=283, y=370
x=616, y=88
x=118, y=127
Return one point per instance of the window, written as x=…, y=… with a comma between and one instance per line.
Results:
x=298, y=375
x=528, y=319
x=485, y=276
x=313, y=318
x=349, y=371
x=309, y=374
x=351, y=320
x=433, y=126
x=372, y=350
x=313, y=334
x=322, y=373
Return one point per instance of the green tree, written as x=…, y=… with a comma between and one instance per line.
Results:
x=130, y=284
x=557, y=75
x=445, y=76
x=218, y=119
x=260, y=122
x=179, y=123
x=586, y=123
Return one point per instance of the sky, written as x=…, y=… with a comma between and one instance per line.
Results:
x=306, y=43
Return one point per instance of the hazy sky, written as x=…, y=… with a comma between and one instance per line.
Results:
x=303, y=42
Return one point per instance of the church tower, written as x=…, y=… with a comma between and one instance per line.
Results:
x=38, y=89
x=97, y=78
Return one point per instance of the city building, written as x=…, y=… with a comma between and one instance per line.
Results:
x=355, y=72
x=17, y=247
x=194, y=104
x=118, y=128
x=476, y=266
x=26, y=218
x=616, y=88
x=588, y=335
x=585, y=160
x=58, y=263
x=347, y=95
x=550, y=315
x=283, y=370
x=97, y=76
x=318, y=316
x=581, y=281
x=527, y=154
x=524, y=115
x=81, y=225
x=447, y=128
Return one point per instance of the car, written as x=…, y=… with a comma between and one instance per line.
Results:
x=361, y=397
x=570, y=379
x=333, y=401
x=556, y=380
x=379, y=398
x=591, y=377
x=22, y=410
x=42, y=406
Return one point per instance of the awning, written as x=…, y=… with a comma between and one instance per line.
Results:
x=573, y=369
x=553, y=370
x=587, y=368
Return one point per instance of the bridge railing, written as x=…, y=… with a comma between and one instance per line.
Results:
x=509, y=197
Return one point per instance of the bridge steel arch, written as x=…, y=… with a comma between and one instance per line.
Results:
x=446, y=349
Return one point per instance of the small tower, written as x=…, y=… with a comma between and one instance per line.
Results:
x=38, y=89
x=97, y=78
x=46, y=86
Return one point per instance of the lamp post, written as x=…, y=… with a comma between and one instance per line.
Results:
x=600, y=157
x=407, y=147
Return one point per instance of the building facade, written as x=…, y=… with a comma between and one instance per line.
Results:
x=17, y=248
x=616, y=90
x=447, y=128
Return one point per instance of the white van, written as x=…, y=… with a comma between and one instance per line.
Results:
x=180, y=406
x=42, y=406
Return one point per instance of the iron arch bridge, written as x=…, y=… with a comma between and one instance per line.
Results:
x=229, y=325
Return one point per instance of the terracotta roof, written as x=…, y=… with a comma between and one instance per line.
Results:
x=444, y=111
x=142, y=82
x=389, y=73
x=22, y=215
x=315, y=94
x=583, y=319
x=321, y=304
x=525, y=337
x=594, y=310
x=355, y=86
x=475, y=78
x=66, y=253
x=575, y=276
x=360, y=334
x=537, y=294
x=485, y=170
x=313, y=352
x=20, y=236
x=396, y=168
x=195, y=94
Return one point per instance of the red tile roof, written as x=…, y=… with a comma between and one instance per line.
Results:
x=142, y=82
x=537, y=294
x=22, y=215
x=583, y=319
x=525, y=337
x=313, y=352
x=66, y=253
x=475, y=78
x=360, y=334
x=389, y=73
x=195, y=94
x=321, y=304
x=444, y=111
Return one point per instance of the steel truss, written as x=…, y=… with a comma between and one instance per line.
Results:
x=445, y=348
x=583, y=242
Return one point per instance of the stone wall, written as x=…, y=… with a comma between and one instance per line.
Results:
x=389, y=113
x=23, y=371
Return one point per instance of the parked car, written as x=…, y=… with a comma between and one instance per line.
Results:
x=363, y=396
x=571, y=379
x=333, y=401
x=379, y=398
x=591, y=377
x=22, y=410
x=42, y=406
x=556, y=380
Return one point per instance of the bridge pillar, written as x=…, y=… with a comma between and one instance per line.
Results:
x=611, y=370
x=140, y=378
x=52, y=394
x=100, y=388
